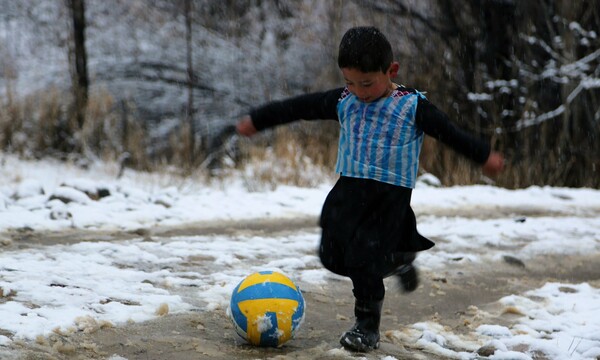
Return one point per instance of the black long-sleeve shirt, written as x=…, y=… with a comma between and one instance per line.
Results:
x=323, y=105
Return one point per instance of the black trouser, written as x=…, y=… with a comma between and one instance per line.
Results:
x=368, y=226
x=367, y=287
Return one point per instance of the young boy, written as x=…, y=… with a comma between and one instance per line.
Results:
x=368, y=227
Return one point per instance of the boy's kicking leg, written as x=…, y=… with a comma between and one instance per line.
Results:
x=408, y=277
x=369, y=292
x=407, y=274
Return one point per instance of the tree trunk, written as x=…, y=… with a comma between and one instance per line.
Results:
x=81, y=79
x=191, y=79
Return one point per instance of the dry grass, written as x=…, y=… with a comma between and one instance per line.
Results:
x=43, y=125
x=301, y=154
x=304, y=154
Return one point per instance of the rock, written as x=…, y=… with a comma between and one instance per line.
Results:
x=430, y=180
x=102, y=193
x=90, y=188
x=487, y=350
x=5, y=241
x=511, y=260
x=28, y=188
x=563, y=289
x=162, y=310
x=68, y=194
x=60, y=214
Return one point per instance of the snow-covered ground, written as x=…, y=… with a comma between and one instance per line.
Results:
x=70, y=287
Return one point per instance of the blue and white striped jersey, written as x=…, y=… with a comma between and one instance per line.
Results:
x=380, y=140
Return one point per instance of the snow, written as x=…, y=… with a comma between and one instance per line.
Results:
x=495, y=331
x=264, y=324
x=68, y=287
x=474, y=97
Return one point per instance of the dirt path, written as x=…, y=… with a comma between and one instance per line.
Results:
x=460, y=297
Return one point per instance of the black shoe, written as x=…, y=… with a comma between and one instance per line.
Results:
x=359, y=340
x=408, y=277
x=364, y=335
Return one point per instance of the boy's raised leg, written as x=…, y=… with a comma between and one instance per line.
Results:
x=406, y=272
x=408, y=277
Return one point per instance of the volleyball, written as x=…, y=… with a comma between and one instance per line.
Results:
x=266, y=308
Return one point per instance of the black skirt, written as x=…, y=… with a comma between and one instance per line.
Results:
x=368, y=226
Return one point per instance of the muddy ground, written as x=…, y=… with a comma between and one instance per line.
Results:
x=460, y=297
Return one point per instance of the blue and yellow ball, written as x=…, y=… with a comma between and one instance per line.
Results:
x=266, y=308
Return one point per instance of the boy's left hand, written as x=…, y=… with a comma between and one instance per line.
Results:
x=494, y=164
x=246, y=127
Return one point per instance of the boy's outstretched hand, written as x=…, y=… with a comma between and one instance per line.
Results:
x=494, y=164
x=245, y=126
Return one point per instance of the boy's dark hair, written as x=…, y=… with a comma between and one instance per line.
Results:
x=365, y=48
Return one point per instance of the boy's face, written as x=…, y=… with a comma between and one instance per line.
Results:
x=370, y=86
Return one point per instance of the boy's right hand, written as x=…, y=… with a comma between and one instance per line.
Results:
x=494, y=164
x=245, y=126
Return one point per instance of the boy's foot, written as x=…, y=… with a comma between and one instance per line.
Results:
x=356, y=339
x=408, y=277
x=364, y=335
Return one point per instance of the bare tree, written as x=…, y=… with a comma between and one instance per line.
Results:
x=524, y=73
x=191, y=79
x=80, y=74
